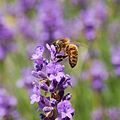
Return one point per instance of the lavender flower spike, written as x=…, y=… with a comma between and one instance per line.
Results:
x=50, y=85
x=8, y=106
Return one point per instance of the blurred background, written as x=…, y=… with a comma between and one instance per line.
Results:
x=93, y=25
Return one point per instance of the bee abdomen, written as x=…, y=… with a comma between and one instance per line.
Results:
x=73, y=54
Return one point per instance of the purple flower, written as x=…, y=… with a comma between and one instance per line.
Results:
x=6, y=40
x=39, y=74
x=98, y=73
x=110, y=113
x=101, y=11
x=16, y=115
x=113, y=113
x=73, y=27
x=51, y=20
x=92, y=18
x=47, y=109
x=98, y=70
x=27, y=19
x=38, y=53
x=85, y=75
x=46, y=17
x=5, y=32
x=97, y=114
x=52, y=51
x=26, y=81
x=39, y=61
x=82, y=3
x=65, y=110
x=89, y=24
x=7, y=104
x=35, y=94
x=25, y=26
x=117, y=70
x=115, y=59
x=56, y=77
x=27, y=6
x=97, y=85
x=34, y=98
x=54, y=68
x=50, y=84
x=2, y=52
x=113, y=32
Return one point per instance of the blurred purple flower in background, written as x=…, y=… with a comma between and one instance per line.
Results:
x=51, y=20
x=7, y=105
x=113, y=113
x=9, y=13
x=106, y=113
x=27, y=6
x=100, y=10
x=26, y=80
x=27, y=18
x=92, y=18
x=73, y=27
x=46, y=17
x=113, y=32
x=98, y=73
x=82, y=3
x=26, y=26
x=89, y=24
x=115, y=59
x=97, y=114
x=51, y=79
x=6, y=40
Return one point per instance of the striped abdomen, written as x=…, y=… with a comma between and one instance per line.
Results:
x=72, y=52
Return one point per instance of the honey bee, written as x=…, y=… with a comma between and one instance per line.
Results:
x=70, y=50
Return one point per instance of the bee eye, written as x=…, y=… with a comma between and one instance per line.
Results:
x=56, y=45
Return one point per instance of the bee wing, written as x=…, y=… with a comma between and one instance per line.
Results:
x=80, y=44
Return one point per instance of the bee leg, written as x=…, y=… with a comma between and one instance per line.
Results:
x=59, y=60
x=61, y=57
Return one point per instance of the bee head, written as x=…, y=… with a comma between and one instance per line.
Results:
x=57, y=45
x=57, y=41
